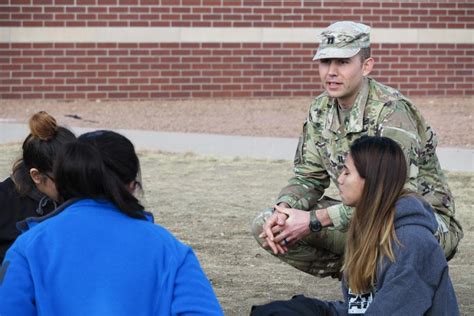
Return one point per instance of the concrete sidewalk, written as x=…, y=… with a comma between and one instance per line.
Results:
x=452, y=159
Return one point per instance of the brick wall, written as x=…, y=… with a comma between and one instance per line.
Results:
x=125, y=69
x=240, y=13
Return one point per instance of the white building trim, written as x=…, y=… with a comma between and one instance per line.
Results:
x=218, y=35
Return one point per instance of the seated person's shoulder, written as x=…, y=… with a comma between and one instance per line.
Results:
x=6, y=184
x=7, y=189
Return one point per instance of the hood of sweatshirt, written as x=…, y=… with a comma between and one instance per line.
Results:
x=414, y=210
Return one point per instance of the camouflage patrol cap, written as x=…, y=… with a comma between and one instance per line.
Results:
x=343, y=40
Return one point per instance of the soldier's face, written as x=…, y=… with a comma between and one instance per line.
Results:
x=342, y=77
x=351, y=184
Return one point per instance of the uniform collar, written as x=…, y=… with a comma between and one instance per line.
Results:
x=356, y=116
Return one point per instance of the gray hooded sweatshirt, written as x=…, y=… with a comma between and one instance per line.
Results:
x=418, y=282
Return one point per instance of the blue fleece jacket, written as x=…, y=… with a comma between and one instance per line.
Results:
x=418, y=282
x=91, y=259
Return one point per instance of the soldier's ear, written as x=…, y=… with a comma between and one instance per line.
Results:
x=367, y=66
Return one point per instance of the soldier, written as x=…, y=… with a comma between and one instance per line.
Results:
x=307, y=229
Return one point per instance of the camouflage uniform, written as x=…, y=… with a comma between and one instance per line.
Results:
x=323, y=145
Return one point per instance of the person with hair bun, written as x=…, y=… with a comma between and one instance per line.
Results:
x=100, y=253
x=393, y=263
x=30, y=190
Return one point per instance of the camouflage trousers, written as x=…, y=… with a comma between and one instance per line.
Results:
x=449, y=234
x=321, y=254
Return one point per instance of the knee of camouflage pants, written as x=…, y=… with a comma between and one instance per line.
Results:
x=310, y=255
x=449, y=234
x=258, y=222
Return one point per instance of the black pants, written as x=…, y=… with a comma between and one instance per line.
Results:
x=299, y=305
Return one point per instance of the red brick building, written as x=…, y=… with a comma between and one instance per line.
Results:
x=142, y=49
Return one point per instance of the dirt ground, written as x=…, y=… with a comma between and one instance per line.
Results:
x=209, y=202
x=450, y=117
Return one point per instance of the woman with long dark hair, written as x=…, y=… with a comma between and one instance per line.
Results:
x=100, y=253
x=30, y=190
x=393, y=264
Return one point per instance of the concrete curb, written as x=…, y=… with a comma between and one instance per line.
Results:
x=451, y=159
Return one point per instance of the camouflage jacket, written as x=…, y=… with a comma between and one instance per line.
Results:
x=324, y=143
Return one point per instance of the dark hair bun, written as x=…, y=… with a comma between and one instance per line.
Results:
x=43, y=126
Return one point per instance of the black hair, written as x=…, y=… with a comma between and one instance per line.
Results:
x=100, y=165
x=364, y=53
x=39, y=150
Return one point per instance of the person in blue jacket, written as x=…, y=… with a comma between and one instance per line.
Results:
x=100, y=253
x=393, y=264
